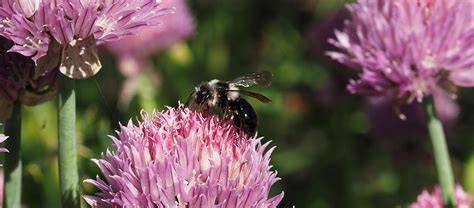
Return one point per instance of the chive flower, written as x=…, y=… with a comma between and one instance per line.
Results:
x=65, y=33
x=434, y=199
x=408, y=48
x=180, y=158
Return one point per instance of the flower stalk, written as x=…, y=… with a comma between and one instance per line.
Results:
x=12, y=192
x=68, y=171
x=441, y=155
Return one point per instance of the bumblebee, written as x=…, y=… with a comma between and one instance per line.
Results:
x=227, y=97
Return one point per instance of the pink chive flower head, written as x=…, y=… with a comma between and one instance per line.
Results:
x=434, y=199
x=408, y=48
x=67, y=30
x=19, y=82
x=180, y=158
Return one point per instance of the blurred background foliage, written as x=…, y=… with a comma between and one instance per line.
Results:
x=328, y=154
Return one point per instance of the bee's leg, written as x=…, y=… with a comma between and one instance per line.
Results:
x=200, y=107
x=197, y=107
x=205, y=109
x=238, y=122
x=242, y=126
x=193, y=105
x=226, y=113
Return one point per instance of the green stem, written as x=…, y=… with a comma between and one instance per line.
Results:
x=68, y=172
x=12, y=195
x=441, y=155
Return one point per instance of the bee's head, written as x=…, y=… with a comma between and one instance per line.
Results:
x=203, y=93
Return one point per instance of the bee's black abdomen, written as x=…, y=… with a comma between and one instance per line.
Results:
x=245, y=117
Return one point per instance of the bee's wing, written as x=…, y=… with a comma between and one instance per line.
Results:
x=261, y=78
x=255, y=95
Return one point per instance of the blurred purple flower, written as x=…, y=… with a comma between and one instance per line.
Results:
x=319, y=32
x=384, y=123
x=18, y=81
x=67, y=30
x=2, y=139
x=408, y=48
x=174, y=29
x=434, y=200
x=134, y=52
x=178, y=158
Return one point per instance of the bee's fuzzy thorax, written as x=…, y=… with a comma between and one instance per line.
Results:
x=215, y=94
x=233, y=95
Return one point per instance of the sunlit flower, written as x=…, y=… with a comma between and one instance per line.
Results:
x=19, y=82
x=434, y=199
x=179, y=158
x=134, y=52
x=65, y=32
x=408, y=48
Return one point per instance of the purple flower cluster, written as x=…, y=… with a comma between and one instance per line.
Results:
x=179, y=158
x=67, y=30
x=32, y=24
x=408, y=48
x=434, y=200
